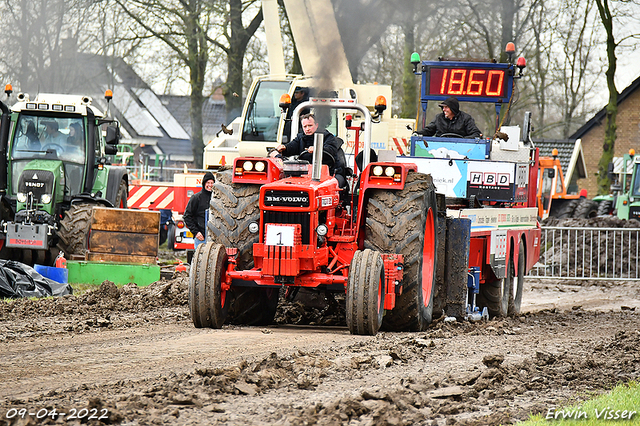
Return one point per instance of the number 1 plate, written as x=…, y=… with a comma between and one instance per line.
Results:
x=280, y=235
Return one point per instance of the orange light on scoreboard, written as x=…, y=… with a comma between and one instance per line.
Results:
x=469, y=82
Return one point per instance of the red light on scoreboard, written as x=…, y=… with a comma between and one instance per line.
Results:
x=470, y=82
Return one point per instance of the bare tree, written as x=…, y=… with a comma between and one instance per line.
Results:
x=183, y=27
x=40, y=40
x=607, y=18
x=236, y=38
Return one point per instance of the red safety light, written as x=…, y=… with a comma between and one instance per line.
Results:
x=522, y=62
x=285, y=101
x=180, y=224
x=510, y=48
x=381, y=104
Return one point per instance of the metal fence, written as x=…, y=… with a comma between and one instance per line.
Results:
x=588, y=253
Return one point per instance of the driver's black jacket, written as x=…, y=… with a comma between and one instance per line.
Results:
x=462, y=124
x=301, y=142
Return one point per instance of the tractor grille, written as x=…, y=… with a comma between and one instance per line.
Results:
x=38, y=182
x=302, y=218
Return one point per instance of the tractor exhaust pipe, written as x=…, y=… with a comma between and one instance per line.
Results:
x=4, y=143
x=318, y=146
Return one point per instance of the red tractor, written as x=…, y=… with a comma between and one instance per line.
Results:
x=275, y=224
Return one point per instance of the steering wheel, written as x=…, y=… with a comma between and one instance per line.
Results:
x=326, y=158
x=451, y=135
x=58, y=148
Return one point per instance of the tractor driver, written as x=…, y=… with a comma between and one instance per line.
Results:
x=53, y=135
x=302, y=145
x=451, y=121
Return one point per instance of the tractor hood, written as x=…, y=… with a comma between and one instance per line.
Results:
x=301, y=193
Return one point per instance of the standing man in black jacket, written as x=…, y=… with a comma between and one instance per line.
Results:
x=194, y=214
x=452, y=121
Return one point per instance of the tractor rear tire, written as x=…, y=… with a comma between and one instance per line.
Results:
x=404, y=222
x=74, y=230
x=233, y=207
x=605, y=208
x=568, y=209
x=121, y=197
x=365, y=293
x=586, y=209
x=208, y=302
x=254, y=306
x=517, y=281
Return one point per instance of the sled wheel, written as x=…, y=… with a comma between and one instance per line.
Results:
x=517, y=282
x=208, y=302
x=365, y=293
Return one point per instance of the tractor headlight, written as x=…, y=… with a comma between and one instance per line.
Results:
x=377, y=171
x=45, y=199
x=260, y=166
x=254, y=227
x=22, y=197
x=247, y=166
x=389, y=171
x=322, y=230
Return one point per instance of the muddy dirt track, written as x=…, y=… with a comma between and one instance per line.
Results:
x=132, y=356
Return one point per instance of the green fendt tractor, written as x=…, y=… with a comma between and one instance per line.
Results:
x=54, y=169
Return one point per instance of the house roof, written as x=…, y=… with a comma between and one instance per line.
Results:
x=600, y=115
x=160, y=123
x=569, y=153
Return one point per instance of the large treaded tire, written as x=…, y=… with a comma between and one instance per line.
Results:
x=254, y=306
x=74, y=230
x=568, y=209
x=365, y=293
x=208, y=303
x=171, y=236
x=232, y=208
x=121, y=197
x=605, y=208
x=586, y=209
x=494, y=295
x=404, y=222
x=517, y=281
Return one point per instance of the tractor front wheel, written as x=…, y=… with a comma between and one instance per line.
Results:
x=208, y=301
x=121, y=197
x=365, y=293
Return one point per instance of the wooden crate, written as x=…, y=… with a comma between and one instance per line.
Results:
x=124, y=236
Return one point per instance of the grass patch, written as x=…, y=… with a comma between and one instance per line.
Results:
x=79, y=289
x=620, y=406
